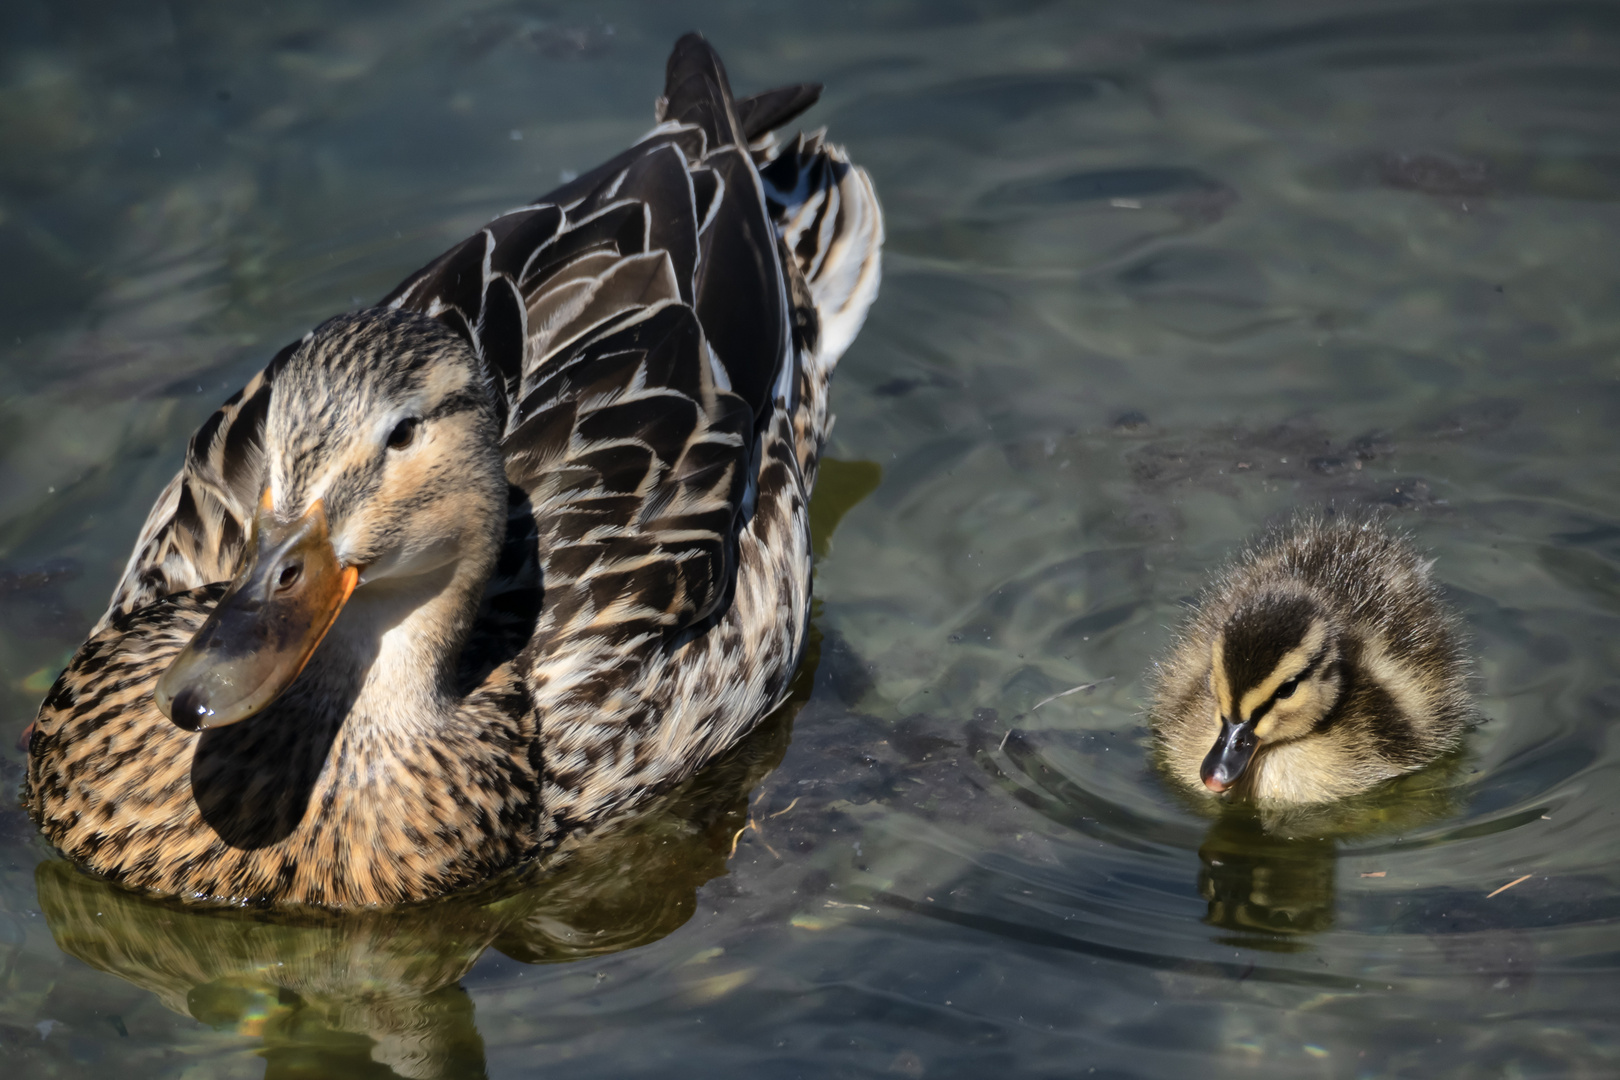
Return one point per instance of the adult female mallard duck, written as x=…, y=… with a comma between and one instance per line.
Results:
x=459, y=574
x=1320, y=663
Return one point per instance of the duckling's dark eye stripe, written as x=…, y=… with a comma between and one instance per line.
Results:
x=1304, y=673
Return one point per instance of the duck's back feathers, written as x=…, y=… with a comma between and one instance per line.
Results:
x=636, y=463
x=661, y=268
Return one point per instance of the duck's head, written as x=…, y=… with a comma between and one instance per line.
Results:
x=1274, y=674
x=381, y=469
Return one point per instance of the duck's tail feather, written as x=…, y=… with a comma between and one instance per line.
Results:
x=829, y=218
x=823, y=207
x=764, y=113
x=695, y=82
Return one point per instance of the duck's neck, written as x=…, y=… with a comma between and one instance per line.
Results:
x=394, y=651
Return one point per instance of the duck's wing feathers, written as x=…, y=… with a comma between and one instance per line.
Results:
x=636, y=461
x=639, y=323
x=681, y=216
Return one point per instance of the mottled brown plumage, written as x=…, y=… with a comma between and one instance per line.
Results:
x=1320, y=663
x=567, y=464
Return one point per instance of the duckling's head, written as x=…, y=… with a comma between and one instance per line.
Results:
x=1274, y=674
x=381, y=471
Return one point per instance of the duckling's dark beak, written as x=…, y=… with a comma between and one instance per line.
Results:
x=1230, y=756
x=266, y=627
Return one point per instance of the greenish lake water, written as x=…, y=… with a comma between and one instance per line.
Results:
x=1158, y=273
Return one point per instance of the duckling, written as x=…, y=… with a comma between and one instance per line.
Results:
x=1321, y=662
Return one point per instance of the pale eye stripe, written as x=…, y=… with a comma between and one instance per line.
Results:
x=1217, y=672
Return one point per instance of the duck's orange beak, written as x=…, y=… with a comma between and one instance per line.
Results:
x=266, y=627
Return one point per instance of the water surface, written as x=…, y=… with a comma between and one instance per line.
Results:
x=1158, y=273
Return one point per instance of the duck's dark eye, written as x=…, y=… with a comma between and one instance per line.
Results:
x=1286, y=690
x=404, y=433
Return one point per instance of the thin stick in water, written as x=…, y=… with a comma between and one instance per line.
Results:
x=1072, y=690
x=1509, y=885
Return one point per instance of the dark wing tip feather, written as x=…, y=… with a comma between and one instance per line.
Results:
x=696, y=91
x=692, y=55
x=768, y=111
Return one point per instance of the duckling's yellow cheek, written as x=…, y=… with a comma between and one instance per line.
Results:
x=1281, y=719
x=1294, y=716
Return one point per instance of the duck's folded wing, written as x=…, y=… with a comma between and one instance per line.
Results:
x=636, y=461
x=639, y=323
x=680, y=215
x=668, y=253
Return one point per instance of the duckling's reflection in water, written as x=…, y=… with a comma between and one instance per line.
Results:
x=342, y=995
x=1268, y=888
x=1270, y=875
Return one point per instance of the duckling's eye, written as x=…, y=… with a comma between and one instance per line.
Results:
x=404, y=433
x=1286, y=690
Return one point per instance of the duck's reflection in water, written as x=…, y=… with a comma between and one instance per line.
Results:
x=377, y=993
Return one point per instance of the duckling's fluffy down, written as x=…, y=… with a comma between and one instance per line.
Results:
x=1400, y=638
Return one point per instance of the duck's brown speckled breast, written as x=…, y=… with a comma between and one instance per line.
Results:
x=288, y=805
